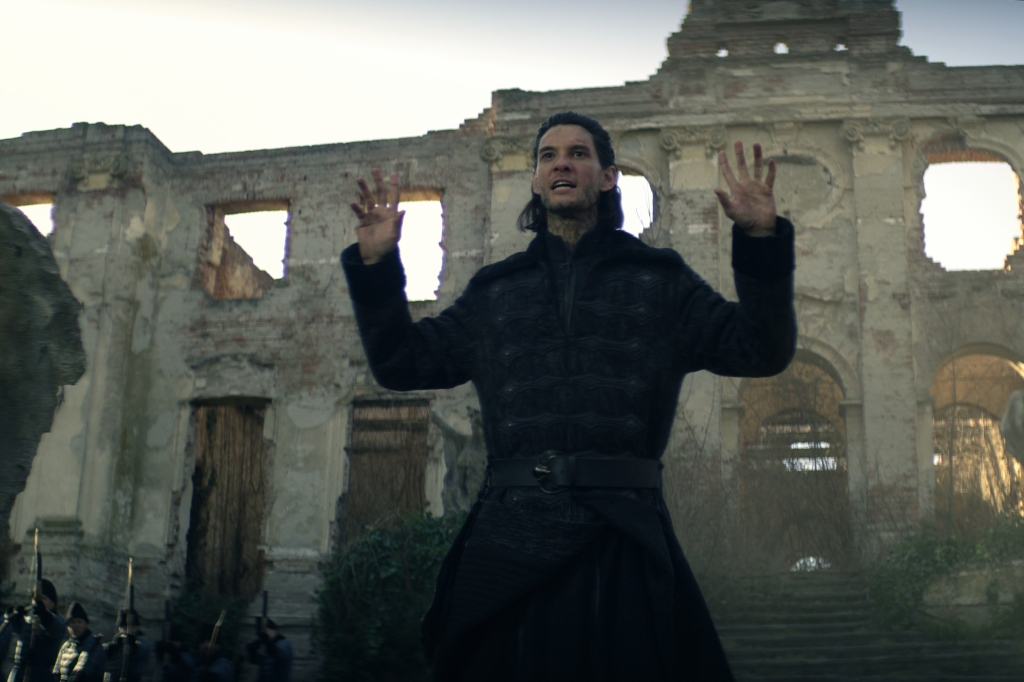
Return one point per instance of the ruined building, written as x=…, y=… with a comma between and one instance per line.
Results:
x=209, y=381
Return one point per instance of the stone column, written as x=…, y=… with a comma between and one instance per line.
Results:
x=856, y=466
x=887, y=363
x=926, y=458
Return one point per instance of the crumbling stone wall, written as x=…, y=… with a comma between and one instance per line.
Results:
x=851, y=129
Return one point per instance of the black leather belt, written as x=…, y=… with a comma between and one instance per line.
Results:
x=553, y=471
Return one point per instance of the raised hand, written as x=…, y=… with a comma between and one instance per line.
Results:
x=380, y=221
x=752, y=204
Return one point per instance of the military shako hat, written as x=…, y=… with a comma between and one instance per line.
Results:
x=76, y=610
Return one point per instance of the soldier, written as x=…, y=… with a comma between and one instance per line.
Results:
x=140, y=651
x=178, y=664
x=5, y=638
x=40, y=655
x=272, y=653
x=81, y=658
x=216, y=666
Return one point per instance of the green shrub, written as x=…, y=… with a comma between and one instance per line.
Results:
x=374, y=595
x=898, y=585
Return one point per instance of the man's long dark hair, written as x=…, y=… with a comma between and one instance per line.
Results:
x=609, y=205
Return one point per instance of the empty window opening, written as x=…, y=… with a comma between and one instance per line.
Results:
x=229, y=495
x=722, y=52
x=841, y=47
x=38, y=208
x=781, y=48
x=238, y=234
x=637, y=202
x=976, y=480
x=971, y=214
x=387, y=465
x=422, y=252
x=811, y=563
x=263, y=235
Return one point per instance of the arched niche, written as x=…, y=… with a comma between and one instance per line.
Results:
x=815, y=352
x=810, y=184
x=793, y=468
x=976, y=480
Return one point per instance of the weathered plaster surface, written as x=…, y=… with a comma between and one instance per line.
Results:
x=850, y=130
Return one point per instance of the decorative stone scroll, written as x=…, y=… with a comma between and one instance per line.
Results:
x=713, y=139
x=494, y=148
x=855, y=130
x=99, y=172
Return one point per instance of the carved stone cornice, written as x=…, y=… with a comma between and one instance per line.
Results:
x=855, y=130
x=115, y=165
x=968, y=126
x=712, y=137
x=494, y=148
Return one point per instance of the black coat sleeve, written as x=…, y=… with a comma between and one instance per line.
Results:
x=432, y=353
x=756, y=336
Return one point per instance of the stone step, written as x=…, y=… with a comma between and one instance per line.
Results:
x=850, y=651
x=815, y=638
x=812, y=611
x=729, y=630
x=935, y=663
x=879, y=678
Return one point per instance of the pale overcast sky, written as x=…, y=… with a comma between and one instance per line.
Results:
x=228, y=75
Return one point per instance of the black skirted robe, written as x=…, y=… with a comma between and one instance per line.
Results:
x=582, y=355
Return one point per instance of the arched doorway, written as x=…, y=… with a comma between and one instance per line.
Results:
x=976, y=481
x=793, y=470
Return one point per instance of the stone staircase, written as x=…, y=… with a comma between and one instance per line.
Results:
x=799, y=627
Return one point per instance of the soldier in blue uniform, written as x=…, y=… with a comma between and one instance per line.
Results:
x=81, y=657
x=271, y=652
x=140, y=651
x=38, y=657
x=178, y=664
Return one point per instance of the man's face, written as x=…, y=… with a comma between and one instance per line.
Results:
x=76, y=626
x=569, y=177
x=47, y=602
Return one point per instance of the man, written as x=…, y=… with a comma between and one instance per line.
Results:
x=140, y=651
x=215, y=665
x=567, y=567
x=81, y=658
x=38, y=657
x=271, y=652
x=178, y=664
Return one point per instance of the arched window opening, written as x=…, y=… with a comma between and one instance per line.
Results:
x=971, y=211
x=781, y=48
x=722, y=52
x=638, y=202
x=38, y=208
x=793, y=472
x=421, y=245
x=976, y=480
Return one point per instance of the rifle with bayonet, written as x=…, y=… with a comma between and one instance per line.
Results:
x=128, y=636
x=167, y=628
x=213, y=637
x=261, y=620
x=36, y=624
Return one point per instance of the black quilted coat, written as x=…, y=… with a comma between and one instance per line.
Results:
x=583, y=355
